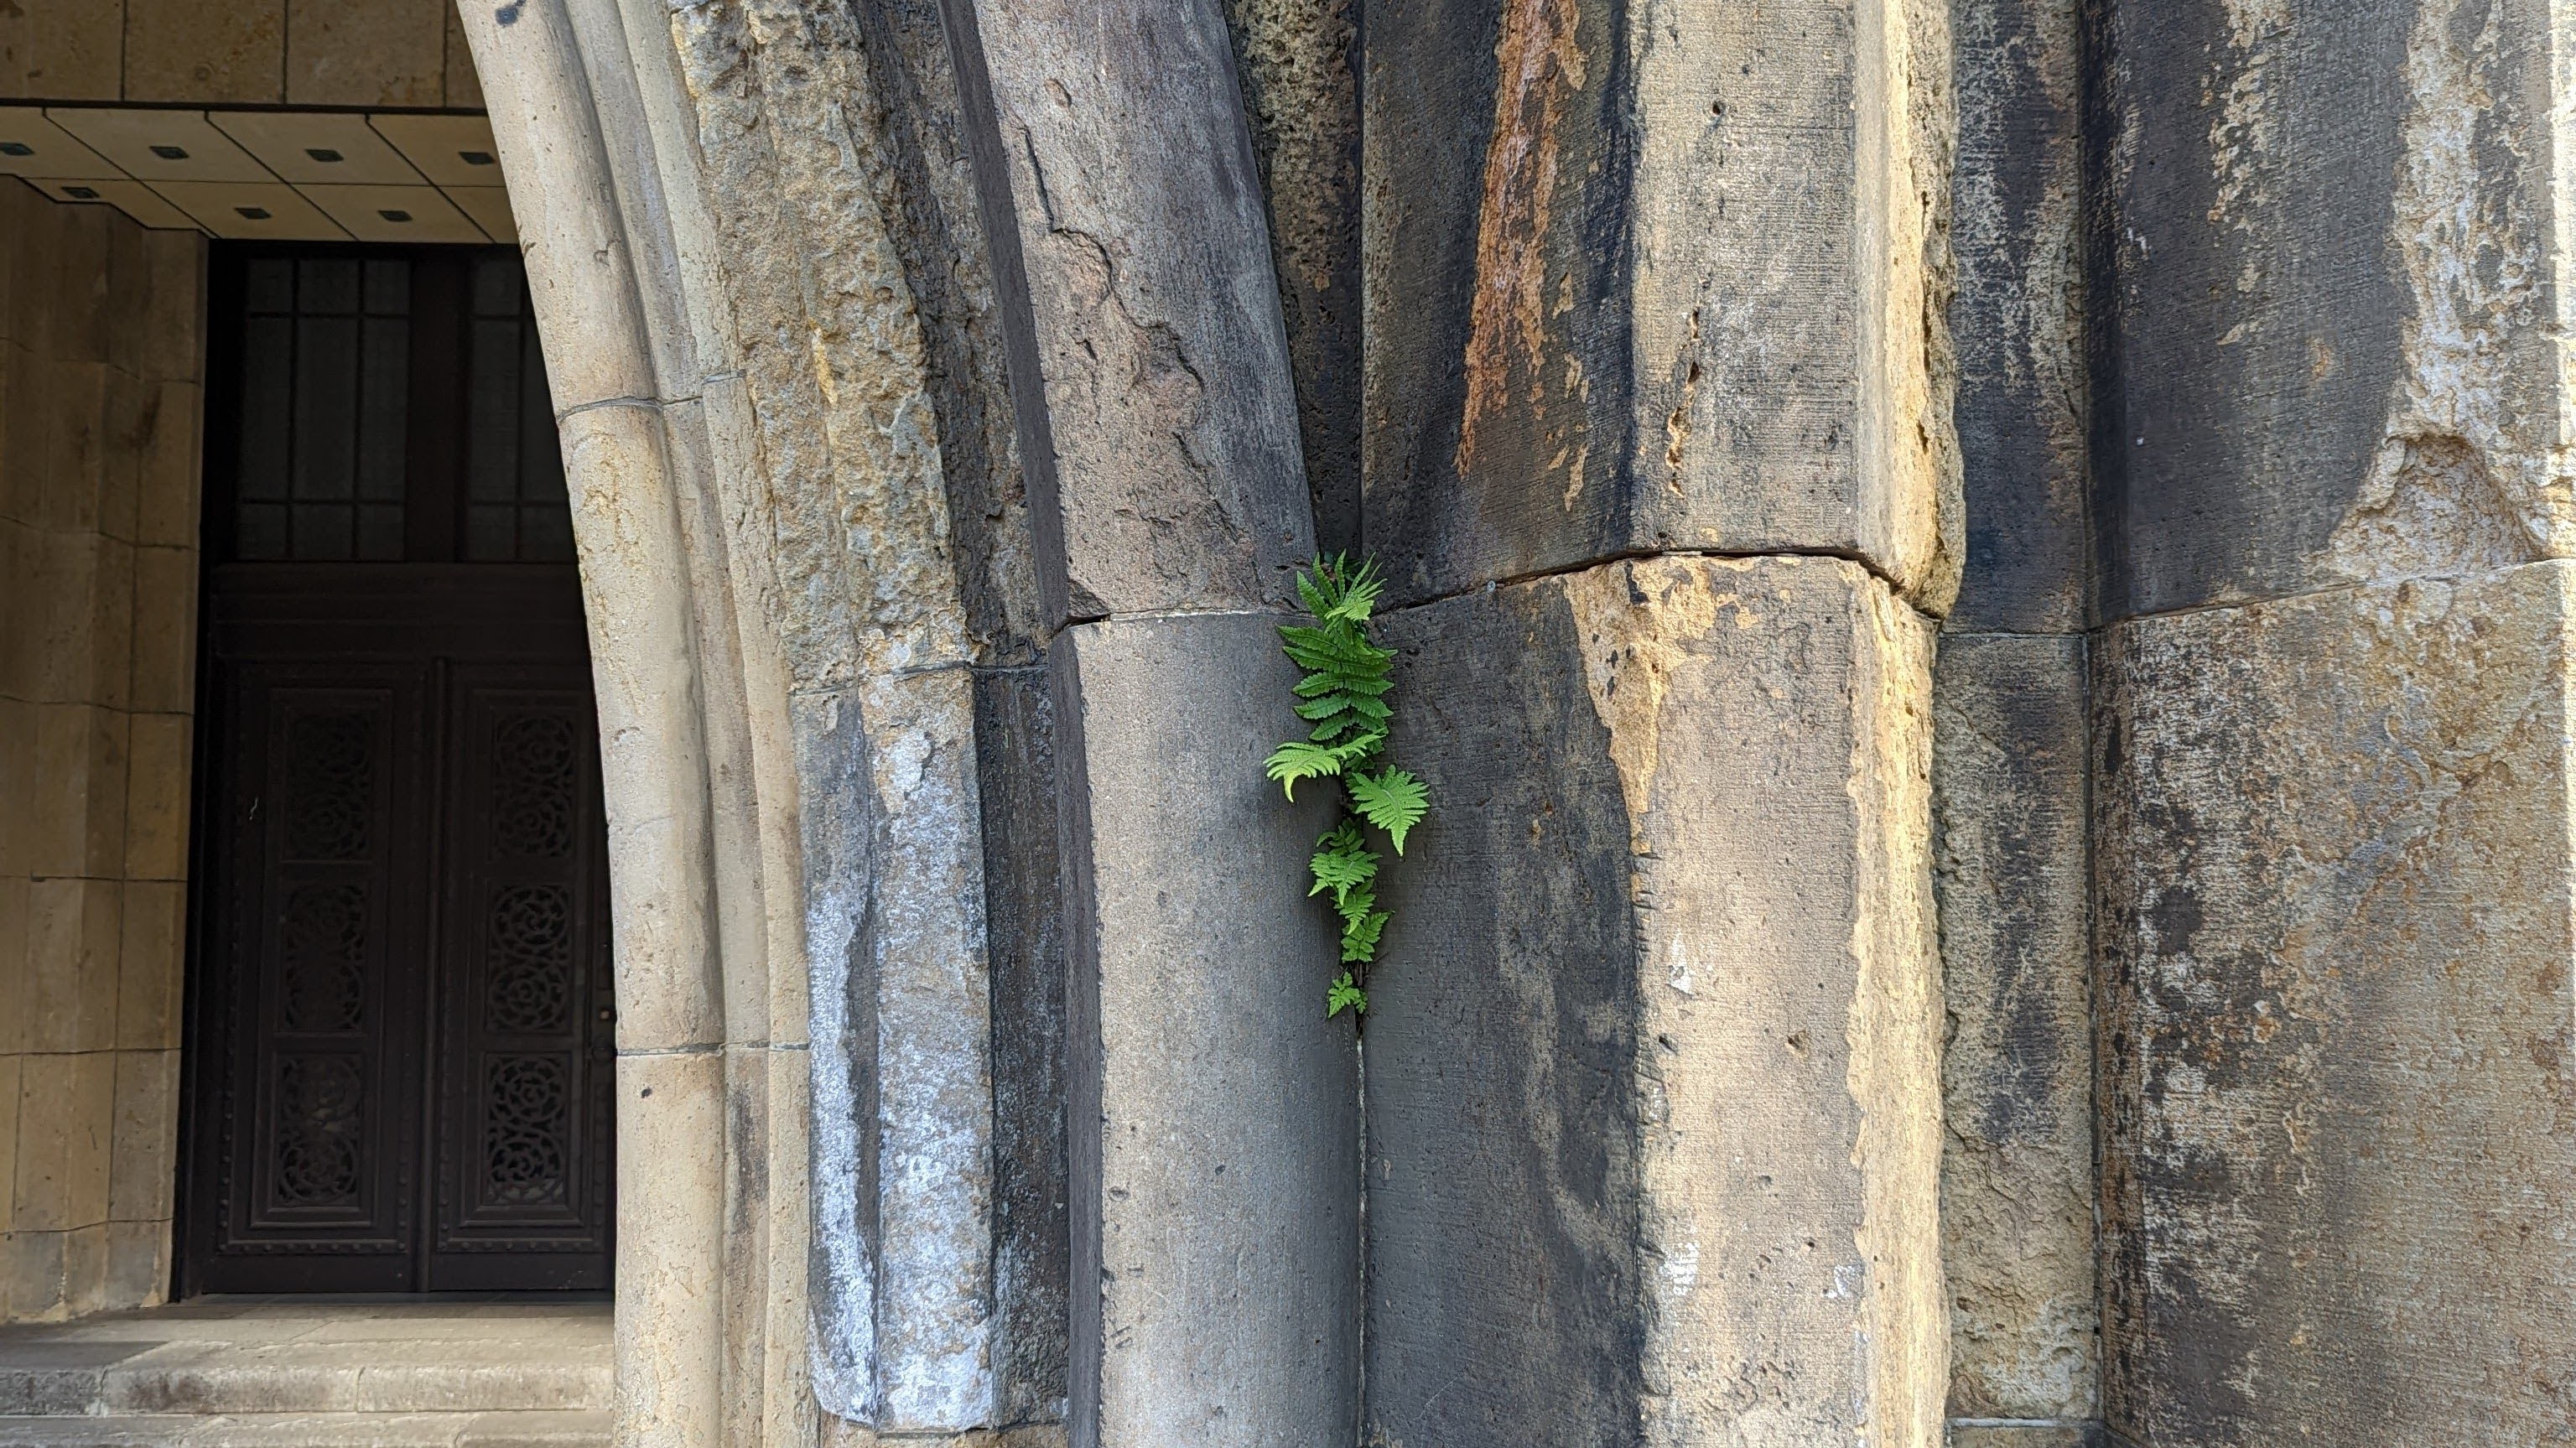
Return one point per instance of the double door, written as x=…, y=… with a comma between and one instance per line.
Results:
x=406, y=1027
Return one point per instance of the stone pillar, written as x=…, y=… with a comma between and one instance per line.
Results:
x=1659, y=457
x=1212, y=1118
x=100, y=364
x=2331, y=724
x=2009, y=759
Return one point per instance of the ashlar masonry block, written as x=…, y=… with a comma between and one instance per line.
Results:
x=1649, y=278
x=1653, y=1097
x=2333, y=883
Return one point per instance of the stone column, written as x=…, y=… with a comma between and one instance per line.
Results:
x=1212, y=1118
x=2332, y=724
x=1660, y=460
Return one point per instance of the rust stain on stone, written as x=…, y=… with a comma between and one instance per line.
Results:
x=1536, y=64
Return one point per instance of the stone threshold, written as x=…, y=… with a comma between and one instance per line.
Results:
x=304, y=1373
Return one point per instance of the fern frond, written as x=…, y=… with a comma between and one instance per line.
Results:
x=1359, y=937
x=1300, y=759
x=1392, y=799
x=1345, y=994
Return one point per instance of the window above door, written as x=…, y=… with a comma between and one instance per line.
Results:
x=381, y=404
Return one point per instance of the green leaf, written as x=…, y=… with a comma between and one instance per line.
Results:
x=1345, y=994
x=1298, y=760
x=1343, y=861
x=1392, y=799
x=1359, y=938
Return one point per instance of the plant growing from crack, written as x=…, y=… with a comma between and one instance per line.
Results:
x=1343, y=698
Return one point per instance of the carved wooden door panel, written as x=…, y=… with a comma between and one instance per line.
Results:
x=523, y=1156
x=401, y=1036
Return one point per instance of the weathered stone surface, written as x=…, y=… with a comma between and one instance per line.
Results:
x=188, y=50
x=1654, y=1116
x=2333, y=884
x=2017, y=319
x=1651, y=280
x=901, y=1025
x=2026, y=1435
x=1213, y=1109
x=2008, y=781
x=2335, y=297
x=366, y=52
x=61, y=52
x=937, y=226
x=1298, y=61
x=1015, y=737
x=1157, y=414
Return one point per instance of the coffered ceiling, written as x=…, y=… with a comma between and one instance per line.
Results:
x=280, y=175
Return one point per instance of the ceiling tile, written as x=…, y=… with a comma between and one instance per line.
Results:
x=160, y=145
x=132, y=197
x=393, y=213
x=490, y=208
x=445, y=148
x=30, y=145
x=323, y=147
x=251, y=210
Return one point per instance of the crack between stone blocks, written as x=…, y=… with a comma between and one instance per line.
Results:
x=1630, y=555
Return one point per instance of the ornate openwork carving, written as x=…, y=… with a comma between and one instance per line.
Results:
x=531, y=938
x=330, y=769
x=323, y=946
x=318, y=1101
x=534, y=784
x=526, y=1130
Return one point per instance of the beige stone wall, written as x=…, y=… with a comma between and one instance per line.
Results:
x=100, y=361
x=238, y=52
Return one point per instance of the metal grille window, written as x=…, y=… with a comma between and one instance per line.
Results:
x=515, y=503
x=390, y=406
x=326, y=348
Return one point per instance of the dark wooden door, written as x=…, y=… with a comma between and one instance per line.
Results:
x=401, y=1025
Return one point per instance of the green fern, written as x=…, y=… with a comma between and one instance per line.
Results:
x=1342, y=697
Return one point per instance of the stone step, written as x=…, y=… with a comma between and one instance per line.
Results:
x=587, y=1428
x=214, y=1378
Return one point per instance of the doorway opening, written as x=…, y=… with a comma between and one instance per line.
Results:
x=400, y=1031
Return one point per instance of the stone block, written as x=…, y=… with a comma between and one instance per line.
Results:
x=187, y=50
x=168, y=485
x=74, y=927
x=2008, y=788
x=151, y=956
x=1653, y=1102
x=901, y=1038
x=1213, y=1109
x=2333, y=896
x=2026, y=1435
x=78, y=799
x=1656, y=280
x=668, y=1187
x=157, y=797
x=1299, y=64
x=2017, y=320
x=14, y=926
x=138, y=1263
x=366, y=52
x=2330, y=290
x=73, y=445
x=143, y=1144
x=66, y=1111
x=23, y=600
x=171, y=346
x=1157, y=415
x=464, y=89
x=1024, y=914
x=61, y=52
x=164, y=649
x=10, y=1062
x=20, y=839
